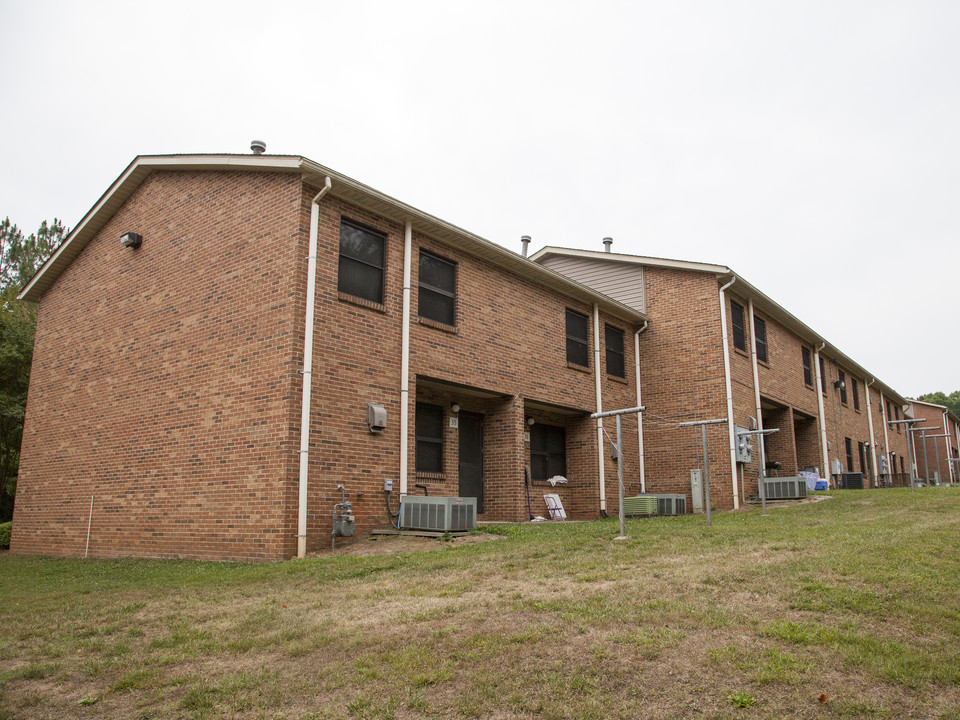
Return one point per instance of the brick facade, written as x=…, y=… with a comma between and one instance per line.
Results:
x=682, y=379
x=166, y=379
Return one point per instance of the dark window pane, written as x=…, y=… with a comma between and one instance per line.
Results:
x=823, y=377
x=429, y=457
x=435, y=306
x=739, y=336
x=577, y=352
x=577, y=347
x=360, y=280
x=360, y=244
x=429, y=438
x=856, y=393
x=436, y=272
x=843, y=389
x=761, y=328
x=807, y=367
x=547, y=451
x=613, y=339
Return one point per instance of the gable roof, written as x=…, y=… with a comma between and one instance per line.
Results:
x=764, y=303
x=314, y=174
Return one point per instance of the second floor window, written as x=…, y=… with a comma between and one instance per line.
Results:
x=437, y=289
x=613, y=338
x=361, y=262
x=842, y=377
x=578, y=349
x=739, y=334
x=856, y=393
x=807, y=366
x=823, y=376
x=760, y=327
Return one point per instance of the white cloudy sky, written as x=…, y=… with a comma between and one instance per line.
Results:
x=812, y=146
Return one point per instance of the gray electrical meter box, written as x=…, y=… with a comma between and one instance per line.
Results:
x=744, y=444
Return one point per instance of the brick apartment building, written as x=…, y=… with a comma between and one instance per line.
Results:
x=716, y=347
x=936, y=450
x=183, y=403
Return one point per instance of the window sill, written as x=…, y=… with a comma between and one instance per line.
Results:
x=362, y=302
x=765, y=363
x=742, y=353
x=617, y=378
x=436, y=325
x=579, y=368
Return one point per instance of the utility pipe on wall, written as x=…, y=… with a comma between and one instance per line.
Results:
x=946, y=443
x=596, y=367
x=636, y=360
x=307, y=371
x=756, y=394
x=886, y=439
x=729, y=391
x=823, y=420
x=405, y=358
x=873, y=440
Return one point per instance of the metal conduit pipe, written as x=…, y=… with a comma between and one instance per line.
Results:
x=729, y=391
x=886, y=439
x=636, y=362
x=596, y=367
x=308, y=370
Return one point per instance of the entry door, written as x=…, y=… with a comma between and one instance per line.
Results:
x=471, y=457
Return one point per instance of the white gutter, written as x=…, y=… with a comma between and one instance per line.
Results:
x=636, y=360
x=823, y=421
x=405, y=359
x=307, y=371
x=756, y=387
x=873, y=440
x=596, y=366
x=729, y=390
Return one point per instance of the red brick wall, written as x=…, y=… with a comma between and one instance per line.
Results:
x=166, y=381
x=163, y=378
x=682, y=372
x=508, y=347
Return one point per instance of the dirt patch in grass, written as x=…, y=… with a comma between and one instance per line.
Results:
x=392, y=544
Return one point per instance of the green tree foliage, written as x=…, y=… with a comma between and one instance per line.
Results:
x=952, y=400
x=20, y=257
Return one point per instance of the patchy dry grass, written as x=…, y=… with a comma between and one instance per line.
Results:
x=847, y=608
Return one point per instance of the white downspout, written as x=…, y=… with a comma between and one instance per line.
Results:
x=636, y=361
x=823, y=421
x=307, y=371
x=729, y=391
x=596, y=366
x=946, y=443
x=886, y=438
x=756, y=388
x=873, y=440
x=405, y=359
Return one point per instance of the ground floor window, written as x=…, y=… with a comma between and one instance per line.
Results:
x=429, y=438
x=548, y=451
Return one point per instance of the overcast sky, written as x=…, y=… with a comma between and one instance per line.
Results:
x=811, y=146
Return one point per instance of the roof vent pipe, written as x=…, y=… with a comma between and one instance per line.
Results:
x=526, y=244
x=607, y=242
x=258, y=147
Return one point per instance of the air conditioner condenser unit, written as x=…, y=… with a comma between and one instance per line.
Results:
x=438, y=514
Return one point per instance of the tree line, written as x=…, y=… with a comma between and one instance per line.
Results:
x=20, y=257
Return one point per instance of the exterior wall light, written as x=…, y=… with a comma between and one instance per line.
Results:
x=839, y=384
x=131, y=240
x=530, y=421
x=454, y=407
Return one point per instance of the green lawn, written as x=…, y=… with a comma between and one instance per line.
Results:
x=844, y=608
